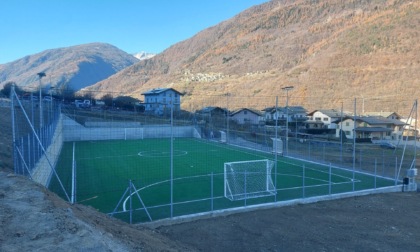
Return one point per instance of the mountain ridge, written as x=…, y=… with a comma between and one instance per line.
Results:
x=76, y=66
x=328, y=50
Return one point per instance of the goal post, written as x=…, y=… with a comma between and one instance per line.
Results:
x=277, y=146
x=248, y=179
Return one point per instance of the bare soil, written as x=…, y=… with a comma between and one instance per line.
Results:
x=33, y=218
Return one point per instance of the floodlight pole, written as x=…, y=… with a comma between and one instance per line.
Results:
x=287, y=116
x=363, y=105
x=228, y=117
x=415, y=134
x=172, y=160
x=40, y=75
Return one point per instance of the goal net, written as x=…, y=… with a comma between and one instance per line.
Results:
x=248, y=179
x=277, y=145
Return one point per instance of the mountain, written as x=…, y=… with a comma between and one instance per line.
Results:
x=75, y=67
x=329, y=50
x=143, y=55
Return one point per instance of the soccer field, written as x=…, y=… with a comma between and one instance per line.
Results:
x=104, y=169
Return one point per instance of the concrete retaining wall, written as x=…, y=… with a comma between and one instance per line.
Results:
x=226, y=212
x=43, y=171
x=73, y=131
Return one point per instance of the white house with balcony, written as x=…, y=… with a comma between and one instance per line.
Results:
x=370, y=127
x=295, y=114
x=160, y=100
x=327, y=117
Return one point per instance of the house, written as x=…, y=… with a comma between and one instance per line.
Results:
x=326, y=116
x=295, y=114
x=247, y=116
x=315, y=127
x=370, y=128
x=215, y=115
x=268, y=113
x=212, y=112
x=389, y=115
x=410, y=127
x=291, y=113
x=160, y=100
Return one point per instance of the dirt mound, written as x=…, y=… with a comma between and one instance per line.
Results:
x=33, y=218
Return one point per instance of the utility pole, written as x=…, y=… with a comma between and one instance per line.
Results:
x=287, y=116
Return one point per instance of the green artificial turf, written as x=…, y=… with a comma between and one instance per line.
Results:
x=104, y=170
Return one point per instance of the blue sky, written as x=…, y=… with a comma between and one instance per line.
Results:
x=32, y=26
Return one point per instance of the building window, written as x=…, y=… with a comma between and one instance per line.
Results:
x=325, y=119
x=317, y=118
x=347, y=132
x=347, y=124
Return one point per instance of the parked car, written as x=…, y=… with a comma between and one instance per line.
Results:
x=47, y=98
x=82, y=104
x=388, y=146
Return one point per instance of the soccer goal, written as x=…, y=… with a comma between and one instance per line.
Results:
x=133, y=133
x=248, y=179
x=277, y=146
x=222, y=136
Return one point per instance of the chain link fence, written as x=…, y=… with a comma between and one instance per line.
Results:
x=108, y=152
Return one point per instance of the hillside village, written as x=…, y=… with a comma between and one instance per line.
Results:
x=371, y=126
x=375, y=127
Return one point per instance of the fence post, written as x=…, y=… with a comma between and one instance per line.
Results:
x=131, y=203
x=245, y=187
x=73, y=184
x=303, y=181
x=29, y=153
x=383, y=163
x=33, y=149
x=212, y=193
x=22, y=153
x=374, y=182
x=309, y=150
x=396, y=170
x=275, y=153
x=329, y=180
x=12, y=105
